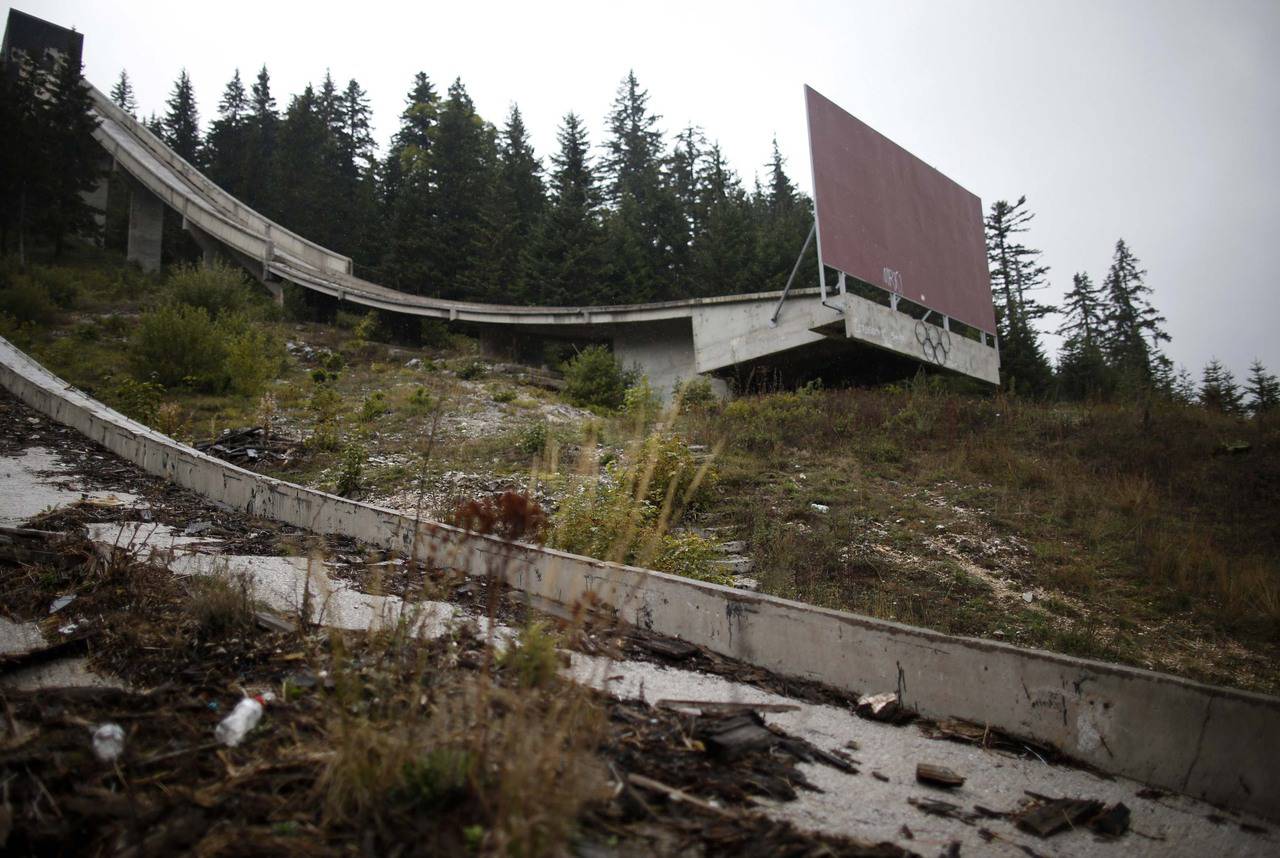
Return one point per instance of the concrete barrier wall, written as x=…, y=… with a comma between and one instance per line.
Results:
x=886, y=327
x=1215, y=744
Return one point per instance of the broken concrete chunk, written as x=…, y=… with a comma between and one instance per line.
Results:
x=939, y=776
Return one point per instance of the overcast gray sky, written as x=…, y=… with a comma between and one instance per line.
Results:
x=1152, y=121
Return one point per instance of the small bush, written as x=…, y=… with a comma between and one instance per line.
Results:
x=641, y=402
x=532, y=439
x=351, y=469
x=367, y=328
x=254, y=357
x=473, y=370
x=373, y=407
x=169, y=419
x=62, y=285
x=347, y=320
x=137, y=399
x=220, y=290
x=692, y=556
x=26, y=301
x=664, y=467
x=179, y=344
x=532, y=657
x=435, y=334
x=222, y=604
x=697, y=394
x=419, y=402
x=594, y=378
x=504, y=395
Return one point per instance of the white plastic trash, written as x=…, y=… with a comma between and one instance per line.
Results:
x=108, y=742
x=248, y=712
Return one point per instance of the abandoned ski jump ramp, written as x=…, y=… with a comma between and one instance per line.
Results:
x=668, y=342
x=1215, y=744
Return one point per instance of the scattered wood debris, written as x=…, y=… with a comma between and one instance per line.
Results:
x=1052, y=815
x=939, y=776
x=249, y=446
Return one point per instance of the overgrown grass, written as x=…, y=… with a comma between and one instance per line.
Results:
x=1132, y=511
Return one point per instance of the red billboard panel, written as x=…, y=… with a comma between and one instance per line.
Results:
x=888, y=218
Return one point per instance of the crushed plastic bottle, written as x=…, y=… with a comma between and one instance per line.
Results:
x=248, y=712
x=108, y=742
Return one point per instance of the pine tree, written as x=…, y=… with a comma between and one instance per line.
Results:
x=1184, y=387
x=227, y=148
x=1015, y=274
x=1218, y=389
x=122, y=94
x=518, y=204
x=304, y=168
x=23, y=162
x=644, y=227
x=463, y=162
x=1263, y=389
x=723, y=255
x=360, y=174
x=1082, y=365
x=1134, y=330
x=784, y=217
x=69, y=146
x=182, y=122
x=408, y=191
x=262, y=131
x=568, y=261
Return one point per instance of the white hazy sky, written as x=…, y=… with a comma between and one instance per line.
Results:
x=1151, y=120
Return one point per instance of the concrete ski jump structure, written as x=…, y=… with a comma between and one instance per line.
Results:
x=669, y=342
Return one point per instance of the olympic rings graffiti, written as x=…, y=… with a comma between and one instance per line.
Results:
x=935, y=342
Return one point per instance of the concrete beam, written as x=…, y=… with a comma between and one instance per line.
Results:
x=146, y=227
x=1215, y=744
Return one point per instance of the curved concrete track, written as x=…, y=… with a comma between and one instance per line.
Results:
x=669, y=341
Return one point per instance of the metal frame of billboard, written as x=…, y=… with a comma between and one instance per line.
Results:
x=928, y=337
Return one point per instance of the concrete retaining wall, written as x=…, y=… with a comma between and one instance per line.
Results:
x=1215, y=744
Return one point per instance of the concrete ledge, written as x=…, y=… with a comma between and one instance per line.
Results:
x=1215, y=744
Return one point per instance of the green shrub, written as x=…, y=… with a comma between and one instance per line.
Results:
x=347, y=320
x=366, y=329
x=26, y=301
x=532, y=438
x=664, y=465
x=373, y=407
x=473, y=370
x=696, y=393
x=594, y=378
x=532, y=657
x=351, y=469
x=419, y=402
x=62, y=285
x=692, y=556
x=137, y=399
x=220, y=290
x=641, y=402
x=504, y=395
x=435, y=334
x=177, y=344
x=254, y=357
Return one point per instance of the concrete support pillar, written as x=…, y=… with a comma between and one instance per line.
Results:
x=662, y=350
x=146, y=228
x=496, y=343
x=208, y=247
x=276, y=288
